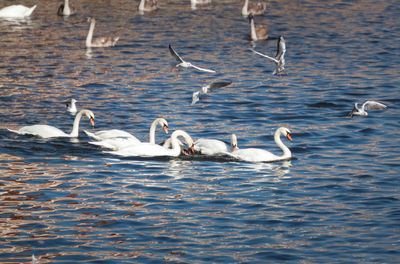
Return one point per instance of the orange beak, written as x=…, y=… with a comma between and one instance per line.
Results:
x=192, y=149
x=165, y=129
x=91, y=121
x=233, y=148
x=289, y=136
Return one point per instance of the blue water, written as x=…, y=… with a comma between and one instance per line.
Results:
x=336, y=201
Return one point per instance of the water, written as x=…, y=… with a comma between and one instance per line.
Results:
x=336, y=201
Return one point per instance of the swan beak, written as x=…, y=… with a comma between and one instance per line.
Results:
x=192, y=149
x=289, y=136
x=92, y=121
x=233, y=148
x=165, y=129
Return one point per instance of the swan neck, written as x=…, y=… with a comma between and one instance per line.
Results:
x=152, y=132
x=245, y=8
x=141, y=5
x=90, y=34
x=75, y=126
x=286, y=151
x=253, y=30
x=67, y=10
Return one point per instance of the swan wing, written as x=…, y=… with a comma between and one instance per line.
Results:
x=372, y=105
x=143, y=150
x=255, y=155
x=116, y=143
x=43, y=131
x=112, y=133
x=207, y=146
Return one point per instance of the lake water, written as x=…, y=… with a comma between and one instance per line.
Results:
x=336, y=201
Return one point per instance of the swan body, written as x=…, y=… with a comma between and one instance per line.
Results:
x=368, y=105
x=261, y=155
x=147, y=149
x=259, y=32
x=116, y=139
x=279, y=59
x=65, y=9
x=251, y=8
x=147, y=5
x=210, y=147
x=194, y=3
x=46, y=131
x=99, y=42
x=72, y=107
x=16, y=11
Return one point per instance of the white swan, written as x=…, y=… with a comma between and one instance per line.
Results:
x=260, y=155
x=194, y=3
x=207, y=146
x=46, y=131
x=259, y=32
x=255, y=9
x=147, y=149
x=16, y=11
x=65, y=9
x=368, y=105
x=99, y=42
x=147, y=5
x=116, y=139
x=72, y=107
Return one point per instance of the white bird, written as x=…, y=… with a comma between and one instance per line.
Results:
x=279, y=57
x=46, y=131
x=259, y=32
x=208, y=88
x=98, y=42
x=147, y=5
x=147, y=149
x=194, y=3
x=16, y=11
x=210, y=147
x=116, y=139
x=255, y=9
x=34, y=259
x=72, y=107
x=184, y=64
x=65, y=9
x=261, y=155
x=368, y=105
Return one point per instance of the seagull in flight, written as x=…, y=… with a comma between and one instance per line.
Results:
x=279, y=57
x=208, y=88
x=368, y=105
x=184, y=64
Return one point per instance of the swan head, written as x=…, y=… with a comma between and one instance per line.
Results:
x=285, y=132
x=234, y=142
x=91, y=19
x=188, y=139
x=251, y=17
x=89, y=114
x=164, y=124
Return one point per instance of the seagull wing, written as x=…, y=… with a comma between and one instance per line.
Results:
x=195, y=97
x=372, y=105
x=268, y=57
x=202, y=69
x=216, y=85
x=174, y=54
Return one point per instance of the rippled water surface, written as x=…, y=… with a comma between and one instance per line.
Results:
x=336, y=201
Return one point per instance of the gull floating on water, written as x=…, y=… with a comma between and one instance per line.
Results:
x=279, y=57
x=368, y=105
x=72, y=107
x=208, y=88
x=184, y=64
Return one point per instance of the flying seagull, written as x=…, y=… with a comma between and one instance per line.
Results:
x=184, y=64
x=208, y=88
x=279, y=57
x=368, y=105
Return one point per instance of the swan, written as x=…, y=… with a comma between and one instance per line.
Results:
x=99, y=42
x=147, y=5
x=207, y=146
x=147, y=149
x=368, y=105
x=260, y=155
x=194, y=3
x=116, y=139
x=251, y=8
x=46, y=131
x=65, y=9
x=16, y=11
x=72, y=107
x=259, y=32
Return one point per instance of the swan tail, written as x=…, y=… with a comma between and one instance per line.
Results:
x=92, y=135
x=30, y=11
